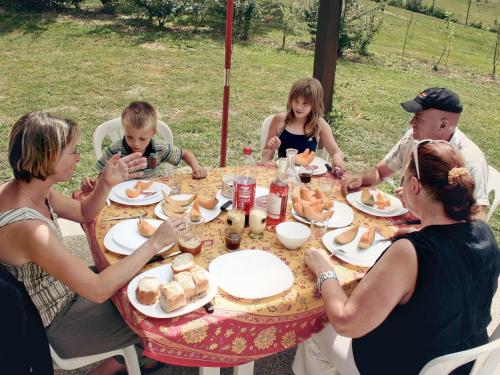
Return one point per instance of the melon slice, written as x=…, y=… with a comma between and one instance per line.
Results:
x=367, y=238
x=367, y=198
x=347, y=236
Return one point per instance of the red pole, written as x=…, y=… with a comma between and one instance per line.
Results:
x=227, y=72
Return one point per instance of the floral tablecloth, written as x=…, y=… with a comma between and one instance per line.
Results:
x=239, y=331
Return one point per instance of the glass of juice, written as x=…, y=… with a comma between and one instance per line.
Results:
x=258, y=220
x=235, y=222
x=191, y=238
x=306, y=173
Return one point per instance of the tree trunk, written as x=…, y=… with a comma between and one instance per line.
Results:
x=432, y=7
x=468, y=10
x=495, y=52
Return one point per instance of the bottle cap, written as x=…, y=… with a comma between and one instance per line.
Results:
x=247, y=150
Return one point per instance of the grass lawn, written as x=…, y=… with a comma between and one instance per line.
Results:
x=89, y=67
x=484, y=11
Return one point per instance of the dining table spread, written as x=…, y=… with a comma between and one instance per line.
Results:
x=239, y=330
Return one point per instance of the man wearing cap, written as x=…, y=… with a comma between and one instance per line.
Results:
x=436, y=114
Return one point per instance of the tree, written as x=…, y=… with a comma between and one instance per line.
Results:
x=160, y=10
x=290, y=13
x=449, y=35
x=496, y=50
x=468, y=10
x=407, y=35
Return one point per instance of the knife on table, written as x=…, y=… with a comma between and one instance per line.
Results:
x=159, y=257
x=226, y=205
x=335, y=172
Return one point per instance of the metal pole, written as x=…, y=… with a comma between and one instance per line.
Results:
x=227, y=73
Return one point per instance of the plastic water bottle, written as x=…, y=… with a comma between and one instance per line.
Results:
x=248, y=160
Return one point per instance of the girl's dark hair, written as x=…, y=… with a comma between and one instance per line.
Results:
x=436, y=160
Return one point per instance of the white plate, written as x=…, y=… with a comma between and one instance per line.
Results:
x=208, y=215
x=126, y=233
x=164, y=274
x=343, y=215
x=251, y=274
x=396, y=206
x=118, y=195
x=112, y=245
x=318, y=162
x=260, y=191
x=352, y=253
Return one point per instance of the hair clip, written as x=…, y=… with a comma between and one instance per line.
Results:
x=455, y=174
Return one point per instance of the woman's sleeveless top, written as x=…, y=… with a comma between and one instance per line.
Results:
x=47, y=293
x=449, y=311
x=298, y=141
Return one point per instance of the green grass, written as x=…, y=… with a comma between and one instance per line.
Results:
x=484, y=11
x=89, y=67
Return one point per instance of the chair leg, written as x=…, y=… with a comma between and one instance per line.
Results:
x=131, y=361
x=246, y=369
x=209, y=371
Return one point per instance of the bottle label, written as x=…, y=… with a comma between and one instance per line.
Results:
x=275, y=204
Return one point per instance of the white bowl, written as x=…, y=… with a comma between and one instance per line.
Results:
x=292, y=235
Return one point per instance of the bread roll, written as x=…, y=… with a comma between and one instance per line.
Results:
x=172, y=296
x=200, y=281
x=148, y=290
x=183, y=262
x=186, y=282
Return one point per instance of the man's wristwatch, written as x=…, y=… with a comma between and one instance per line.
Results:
x=323, y=276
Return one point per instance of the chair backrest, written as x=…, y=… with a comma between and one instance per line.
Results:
x=487, y=357
x=493, y=185
x=264, y=131
x=113, y=129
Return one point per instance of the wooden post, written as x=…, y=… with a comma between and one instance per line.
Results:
x=327, y=45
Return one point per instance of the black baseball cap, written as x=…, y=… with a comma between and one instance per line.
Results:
x=434, y=97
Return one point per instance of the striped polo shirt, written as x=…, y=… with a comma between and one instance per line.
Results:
x=157, y=152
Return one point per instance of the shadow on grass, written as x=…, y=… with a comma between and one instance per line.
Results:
x=25, y=22
x=124, y=24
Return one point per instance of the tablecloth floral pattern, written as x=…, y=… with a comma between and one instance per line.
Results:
x=239, y=330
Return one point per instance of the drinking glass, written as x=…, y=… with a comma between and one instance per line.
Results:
x=174, y=181
x=258, y=216
x=233, y=230
x=306, y=173
x=325, y=185
x=191, y=238
x=319, y=228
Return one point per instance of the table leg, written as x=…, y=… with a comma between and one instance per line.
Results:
x=246, y=369
x=209, y=370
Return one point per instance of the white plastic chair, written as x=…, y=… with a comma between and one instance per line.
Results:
x=128, y=353
x=114, y=130
x=245, y=369
x=493, y=185
x=487, y=357
x=264, y=131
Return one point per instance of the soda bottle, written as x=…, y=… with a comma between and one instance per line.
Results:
x=278, y=196
x=248, y=160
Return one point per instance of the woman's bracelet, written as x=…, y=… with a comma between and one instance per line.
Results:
x=322, y=277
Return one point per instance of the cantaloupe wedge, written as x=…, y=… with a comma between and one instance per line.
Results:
x=297, y=206
x=305, y=194
x=195, y=213
x=208, y=203
x=325, y=215
x=347, y=236
x=133, y=193
x=328, y=203
x=143, y=185
x=382, y=201
x=179, y=202
x=304, y=158
x=367, y=198
x=318, y=194
x=367, y=238
x=145, y=228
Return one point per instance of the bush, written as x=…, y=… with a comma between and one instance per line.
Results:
x=160, y=11
x=357, y=29
x=418, y=7
x=39, y=4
